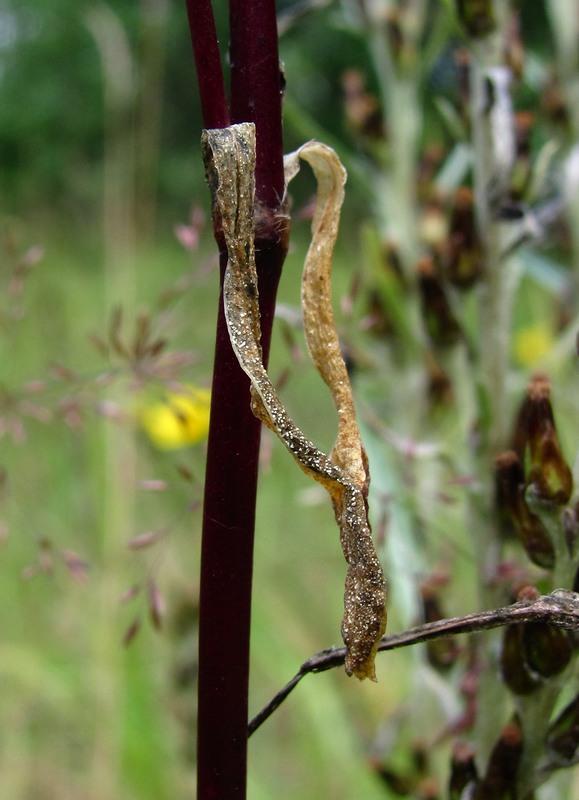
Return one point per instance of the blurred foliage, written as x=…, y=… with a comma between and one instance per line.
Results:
x=100, y=531
x=52, y=93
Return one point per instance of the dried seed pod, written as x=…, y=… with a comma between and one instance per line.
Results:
x=442, y=653
x=534, y=537
x=441, y=324
x=440, y=391
x=554, y=103
x=514, y=666
x=463, y=771
x=536, y=442
x=500, y=780
x=548, y=650
x=510, y=486
x=550, y=475
x=399, y=783
x=427, y=789
x=563, y=735
x=362, y=109
x=465, y=259
x=522, y=170
x=508, y=479
x=571, y=529
x=476, y=16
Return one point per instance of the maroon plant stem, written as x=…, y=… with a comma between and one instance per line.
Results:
x=226, y=569
x=256, y=89
x=234, y=435
x=207, y=63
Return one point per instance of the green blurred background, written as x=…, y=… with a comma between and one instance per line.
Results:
x=99, y=162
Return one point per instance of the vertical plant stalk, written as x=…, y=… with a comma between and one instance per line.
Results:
x=565, y=29
x=395, y=199
x=396, y=211
x=493, y=156
x=234, y=435
x=119, y=450
x=153, y=17
x=399, y=85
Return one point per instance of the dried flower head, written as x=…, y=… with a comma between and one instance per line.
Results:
x=536, y=442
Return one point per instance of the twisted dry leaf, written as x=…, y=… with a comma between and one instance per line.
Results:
x=229, y=156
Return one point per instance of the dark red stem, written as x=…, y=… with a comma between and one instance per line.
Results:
x=256, y=88
x=234, y=435
x=208, y=63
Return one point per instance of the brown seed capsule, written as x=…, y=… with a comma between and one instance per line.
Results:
x=499, y=782
x=442, y=653
x=441, y=324
x=563, y=735
x=514, y=667
x=386, y=298
x=553, y=101
x=362, y=109
x=399, y=784
x=427, y=789
x=509, y=477
x=571, y=529
x=440, y=392
x=524, y=124
x=464, y=261
x=549, y=473
x=534, y=411
x=511, y=504
x=515, y=670
x=548, y=650
x=463, y=770
x=536, y=442
x=476, y=16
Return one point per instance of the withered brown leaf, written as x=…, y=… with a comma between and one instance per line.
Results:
x=229, y=156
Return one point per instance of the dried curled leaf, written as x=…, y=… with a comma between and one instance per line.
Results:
x=229, y=156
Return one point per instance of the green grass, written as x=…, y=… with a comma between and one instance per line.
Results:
x=85, y=717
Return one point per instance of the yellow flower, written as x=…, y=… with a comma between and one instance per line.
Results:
x=532, y=343
x=181, y=419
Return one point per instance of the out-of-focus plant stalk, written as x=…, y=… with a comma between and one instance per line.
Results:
x=564, y=21
x=234, y=435
x=119, y=451
x=564, y=18
x=396, y=208
x=153, y=18
x=398, y=81
x=493, y=156
x=395, y=44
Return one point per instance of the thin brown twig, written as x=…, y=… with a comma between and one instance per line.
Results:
x=560, y=609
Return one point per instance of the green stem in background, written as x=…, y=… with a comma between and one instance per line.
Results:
x=398, y=80
x=119, y=443
x=493, y=157
x=234, y=435
x=153, y=18
x=564, y=21
x=393, y=183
